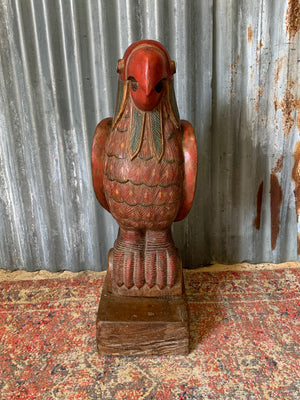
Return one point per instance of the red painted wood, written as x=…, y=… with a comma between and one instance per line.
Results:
x=144, y=166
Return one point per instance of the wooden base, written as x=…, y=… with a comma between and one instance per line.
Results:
x=139, y=326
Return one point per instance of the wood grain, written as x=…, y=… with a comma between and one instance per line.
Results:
x=137, y=326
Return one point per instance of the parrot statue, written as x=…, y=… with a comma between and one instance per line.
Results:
x=144, y=167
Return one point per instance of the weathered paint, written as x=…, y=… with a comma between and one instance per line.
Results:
x=275, y=203
x=259, y=198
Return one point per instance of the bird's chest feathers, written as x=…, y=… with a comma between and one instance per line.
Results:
x=141, y=172
x=143, y=134
x=145, y=148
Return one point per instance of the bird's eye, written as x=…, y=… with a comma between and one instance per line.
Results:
x=159, y=86
x=134, y=84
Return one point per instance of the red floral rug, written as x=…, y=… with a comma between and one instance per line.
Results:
x=244, y=341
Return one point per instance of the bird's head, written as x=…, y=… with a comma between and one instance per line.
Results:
x=148, y=68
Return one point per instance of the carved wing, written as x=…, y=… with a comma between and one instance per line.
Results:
x=98, y=152
x=189, y=146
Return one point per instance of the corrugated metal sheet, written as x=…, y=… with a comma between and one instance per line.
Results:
x=237, y=81
x=256, y=95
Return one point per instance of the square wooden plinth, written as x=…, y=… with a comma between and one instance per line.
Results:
x=139, y=326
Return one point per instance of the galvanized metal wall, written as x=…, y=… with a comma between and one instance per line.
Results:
x=237, y=81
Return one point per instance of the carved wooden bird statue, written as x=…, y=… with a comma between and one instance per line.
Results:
x=144, y=166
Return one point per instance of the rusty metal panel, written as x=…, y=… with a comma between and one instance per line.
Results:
x=255, y=129
x=237, y=82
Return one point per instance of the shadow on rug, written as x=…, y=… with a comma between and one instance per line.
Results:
x=244, y=341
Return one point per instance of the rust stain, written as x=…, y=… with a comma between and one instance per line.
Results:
x=260, y=45
x=288, y=105
x=258, y=94
x=259, y=197
x=251, y=74
x=233, y=74
x=250, y=34
x=278, y=68
x=276, y=200
x=276, y=104
x=292, y=18
x=298, y=114
x=291, y=84
x=258, y=51
x=296, y=178
x=278, y=166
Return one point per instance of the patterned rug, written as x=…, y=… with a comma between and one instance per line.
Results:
x=244, y=340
